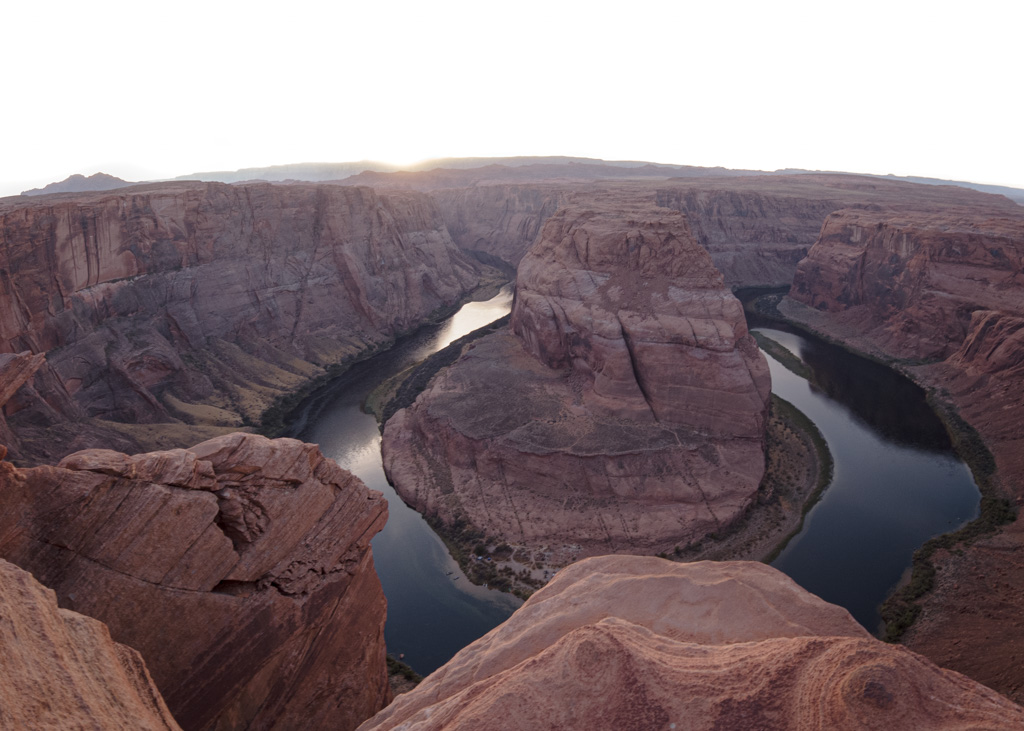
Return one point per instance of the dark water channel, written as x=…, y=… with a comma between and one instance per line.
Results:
x=433, y=610
x=897, y=482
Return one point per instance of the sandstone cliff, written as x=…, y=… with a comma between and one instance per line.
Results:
x=199, y=304
x=60, y=670
x=945, y=295
x=911, y=282
x=625, y=413
x=640, y=643
x=240, y=569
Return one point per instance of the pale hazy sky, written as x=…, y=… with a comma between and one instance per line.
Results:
x=146, y=90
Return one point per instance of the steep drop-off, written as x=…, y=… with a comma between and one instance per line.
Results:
x=944, y=294
x=640, y=643
x=60, y=670
x=623, y=412
x=240, y=569
x=199, y=304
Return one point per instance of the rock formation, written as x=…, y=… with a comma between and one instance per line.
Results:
x=626, y=411
x=60, y=670
x=240, y=569
x=199, y=304
x=943, y=293
x=911, y=282
x=641, y=643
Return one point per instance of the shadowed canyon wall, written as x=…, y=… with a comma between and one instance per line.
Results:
x=199, y=304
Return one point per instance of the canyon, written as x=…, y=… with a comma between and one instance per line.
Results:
x=633, y=642
x=623, y=410
x=164, y=318
x=940, y=297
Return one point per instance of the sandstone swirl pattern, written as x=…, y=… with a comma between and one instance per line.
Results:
x=240, y=569
x=624, y=412
x=630, y=642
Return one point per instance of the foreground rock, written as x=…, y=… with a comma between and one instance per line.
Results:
x=625, y=412
x=61, y=670
x=170, y=310
x=640, y=643
x=240, y=569
x=944, y=296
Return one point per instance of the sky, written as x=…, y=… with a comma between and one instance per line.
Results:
x=155, y=90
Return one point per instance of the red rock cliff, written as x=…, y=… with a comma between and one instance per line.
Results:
x=200, y=303
x=61, y=670
x=626, y=413
x=240, y=569
x=640, y=643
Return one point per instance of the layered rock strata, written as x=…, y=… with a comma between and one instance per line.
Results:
x=199, y=304
x=61, y=670
x=639, y=643
x=623, y=412
x=944, y=295
x=240, y=569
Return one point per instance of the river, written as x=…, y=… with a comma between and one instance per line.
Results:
x=897, y=482
x=433, y=610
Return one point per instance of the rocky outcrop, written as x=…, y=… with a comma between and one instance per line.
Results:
x=240, y=569
x=641, y=643
x=624, y=412
x=61, y=670
x=199, y=304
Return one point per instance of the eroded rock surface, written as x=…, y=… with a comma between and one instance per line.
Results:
x=639, y=643
x=240, y=569
x=199, y=304
x=624, y=412
x=60, y=670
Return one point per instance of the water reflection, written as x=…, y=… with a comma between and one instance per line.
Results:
x=897, y=481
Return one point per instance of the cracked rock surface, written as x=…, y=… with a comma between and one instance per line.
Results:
x=240, y=569
x=624, y=410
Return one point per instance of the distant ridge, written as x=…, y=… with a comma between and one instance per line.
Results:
x=80, y=183
x=369, y=172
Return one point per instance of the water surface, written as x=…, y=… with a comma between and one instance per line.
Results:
x=897, y=480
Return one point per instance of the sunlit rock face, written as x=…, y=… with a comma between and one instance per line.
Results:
x=198, y=304
x=624, y=409
x=632, y=642
x=240, y=569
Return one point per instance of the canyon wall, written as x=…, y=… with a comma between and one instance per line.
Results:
x=623, y=412
x=199, y=304
x=61, y=670
x=632, y=642
x=943, y=295
x=240, y=569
